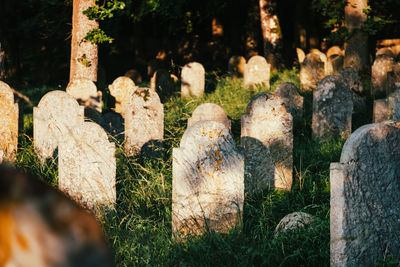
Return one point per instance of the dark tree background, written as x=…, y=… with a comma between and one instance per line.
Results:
x=35, y=34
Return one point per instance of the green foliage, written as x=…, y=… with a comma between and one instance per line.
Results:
x=98, y=36
x=104, y=11
x=139, y=228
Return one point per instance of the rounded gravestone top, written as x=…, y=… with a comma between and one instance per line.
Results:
x=334, y=51
x=294, y=221
x=287, y=89
x=258, y=61
x=122, y=87
x=82, y=88
x=320, y=54
x=385, y=51
x=209, y=112
x=263, y=103
x=59, y=100
x=193, y=67
x=6, y=92
x=206, y=132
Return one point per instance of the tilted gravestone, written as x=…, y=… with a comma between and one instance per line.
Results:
x=121, y=89
x=335, y=57
x=267, y=139
x=85, y=92
x=365, y=196
x=291, y=98
x=236, y=66
x=332, y=108
x=8, y=123
x=381, y=73
x=207, y=180
x=55, y=116
x=352, y=78
x=257, y=72
x=193, y=80
x=209, y=112
x=87, y=166
x=144, y=123
x=312, y=70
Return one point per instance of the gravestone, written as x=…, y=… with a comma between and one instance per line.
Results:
x=193, y=80
x=365, y=196
x=207, y=180
x=380, y=76
x=352, y=78
x=121, y=89
x=385, y=51
x=291, y=98
x=8, y=123
x=85, y=92
x=300, y=55
x=162, y=82
x=257, y=72
x=55, y=116
x=209, y=112
x=335, y=57
x=393, y=101
x=267, y=139
x=87, y=166
x=332, y=108
x=144, y=123
x=380, y=110
x=312, y=70
x=333, y=51
x=294, y=221
x=236, y=66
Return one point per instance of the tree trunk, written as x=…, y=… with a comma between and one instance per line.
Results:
x=356, y=46
x=252, y=29
x=271, y=32
x=84, y=56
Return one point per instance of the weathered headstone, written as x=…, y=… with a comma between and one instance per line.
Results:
x=334, y=62
x=193, y=80
x=291, y=98
x=352, y=78
x=311, y=71
x=144, y=123
x=85, y=92
x=257, y=72
x=380, y=110
x=267, y=139
x=294, y=221
x=162, y=82
x=385, y=51
x=8, y=122
x=300, y=55
x=365, y=196
x=380, y=76
x=209, y=112
x=121, y=89
x=87, y=166
x=332, y=108
x=393, y=101
x=55, y=116
x=236, y=66
x=334, y=50
x=207, y=180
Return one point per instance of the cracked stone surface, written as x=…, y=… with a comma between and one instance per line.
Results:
x=207, y=183
x=8, y=123
x=209, y=112
x=144, y=123
x=267, y=139
x=193, y=80
x=365, y=197
x=291, y=98
x=121, y=89
x=332, y=108
x=256, y=72
x=55, y=116
x=87, y=166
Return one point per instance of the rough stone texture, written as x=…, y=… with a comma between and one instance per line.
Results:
x=85, y=92
x=207, y=183
x=312, y=70
x=332, y=108
x=385, y=51
x=381, y=110
x=121, y=89
x=380, y=76
x=294, y=221
x=236, y=66
x=144, y=123
x=267, y=139
x=193, y=80
x=352, y=78
x=257, y=71
x=365, y=195
x=55, y=116
x=162, y=82
x=8, y=122
x=393, y=101
x=291, y=98
x=334, y=51
x=87, y=166
x=396, y=75
x=209, y=112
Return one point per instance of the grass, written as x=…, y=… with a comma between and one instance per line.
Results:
x=139, y=228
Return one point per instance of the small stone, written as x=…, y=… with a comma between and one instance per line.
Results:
x=193, y=80
x=294, y=221
x=257, y=72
